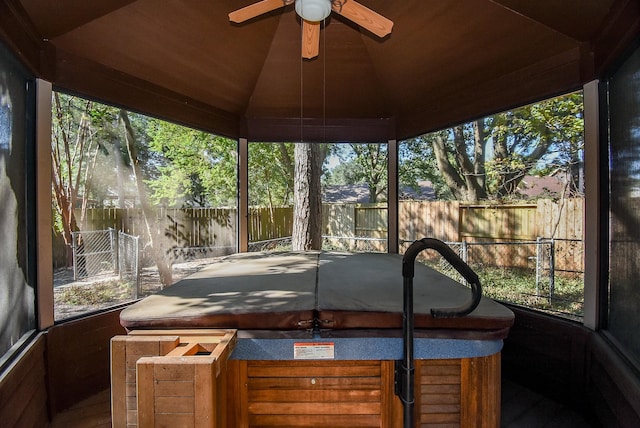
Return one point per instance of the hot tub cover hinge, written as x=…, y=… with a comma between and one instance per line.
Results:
x=306, y=323
x=316, y=322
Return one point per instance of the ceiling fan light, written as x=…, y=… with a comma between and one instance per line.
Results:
x=313, y=10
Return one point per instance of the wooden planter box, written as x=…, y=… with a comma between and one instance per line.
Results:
x=170, y=378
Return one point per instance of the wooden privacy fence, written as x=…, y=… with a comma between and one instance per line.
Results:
x=561, y=221
x=449, y=221
x=184, y=229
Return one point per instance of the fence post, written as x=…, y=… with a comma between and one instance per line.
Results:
x=465, y=252
x=538, y=263
x=552, y=265
x=114, y=250
x=74, y=251
x=137, y=265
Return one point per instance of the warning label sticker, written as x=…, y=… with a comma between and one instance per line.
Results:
x=314, y=351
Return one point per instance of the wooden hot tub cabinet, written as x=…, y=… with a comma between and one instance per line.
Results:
x=463, y=392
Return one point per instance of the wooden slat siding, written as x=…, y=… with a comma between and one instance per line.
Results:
x=23, y=391
x=237, y=393
x=480, y=392
x=78, y=358
x=316, y=393
x=458, y=392
x=560, y=344
x=611, y=386
x=390, y=403
x=438, y=393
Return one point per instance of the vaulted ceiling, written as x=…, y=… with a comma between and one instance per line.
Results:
x=445, y=62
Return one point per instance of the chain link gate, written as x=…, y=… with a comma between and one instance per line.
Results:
x=107, y=253
x=93, y=253
x=129, y=260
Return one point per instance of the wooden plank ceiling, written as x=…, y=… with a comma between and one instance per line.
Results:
x=446, y=61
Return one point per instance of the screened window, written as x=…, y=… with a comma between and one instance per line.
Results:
x=17, y=295
x=350, y=185
x=624, y=145
x=138, y=203
x=506, y=192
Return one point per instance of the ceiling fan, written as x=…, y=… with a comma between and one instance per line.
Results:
x=313, y=12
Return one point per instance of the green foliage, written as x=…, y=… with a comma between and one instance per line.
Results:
x=195, y=169
x=359, y=163
x=518, y=286
x=418, y=163
x=370, y=162
x=181, y=166
x=271, y=174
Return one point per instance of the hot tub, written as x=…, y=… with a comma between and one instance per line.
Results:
x=320, y=334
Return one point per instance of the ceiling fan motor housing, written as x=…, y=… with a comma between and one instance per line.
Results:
x=313, y=10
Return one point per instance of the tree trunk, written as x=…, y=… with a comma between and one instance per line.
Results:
x=479, y=150
x=467, y=168
x=307, y=199
x=449, y=173
x=64, y=184
x=155, y=240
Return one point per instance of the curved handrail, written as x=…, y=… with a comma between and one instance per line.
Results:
x=405, y=380
x=408, y=269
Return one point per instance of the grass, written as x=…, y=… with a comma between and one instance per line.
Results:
x=95, y=294
x=518, y=286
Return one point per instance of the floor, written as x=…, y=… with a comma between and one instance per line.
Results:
x=93, y=412
x=521, y=408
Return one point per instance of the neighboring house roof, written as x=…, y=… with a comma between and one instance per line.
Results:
x=533, y=187
x=346, y=193
x=423, y=192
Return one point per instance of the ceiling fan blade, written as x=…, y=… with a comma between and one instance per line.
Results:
x=364, y=17
x=257, y=9
x=310, y=39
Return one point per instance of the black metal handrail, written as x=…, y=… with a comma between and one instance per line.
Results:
x=406, y=381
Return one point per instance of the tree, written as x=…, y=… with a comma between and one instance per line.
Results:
x=196, y=168
x=488, y=158
x=154, y=237
x=417, y=163
x=271, y=174
x=69, y=141
x=79, y=133
x=307, y=206
x=371, y=167
x=360, y=163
